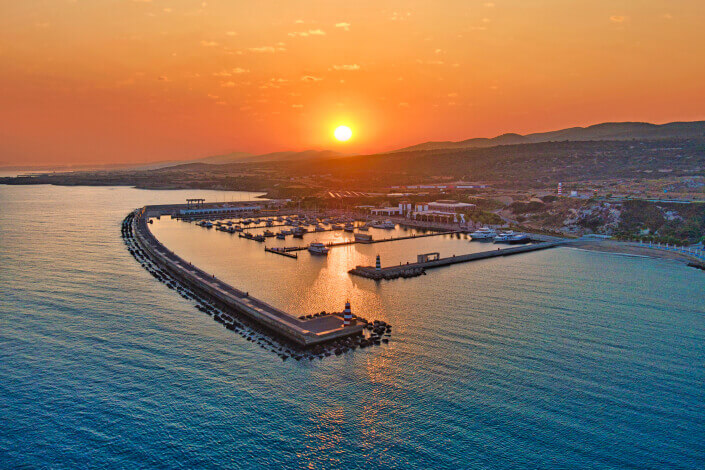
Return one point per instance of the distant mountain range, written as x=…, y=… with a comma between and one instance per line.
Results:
x=242, y=157
x=609, y=131
x=598, y=132
x=604, y=131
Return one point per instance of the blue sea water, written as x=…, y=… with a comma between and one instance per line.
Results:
x=554, y=359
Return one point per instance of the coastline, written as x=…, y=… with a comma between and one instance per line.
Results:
x=626, y=248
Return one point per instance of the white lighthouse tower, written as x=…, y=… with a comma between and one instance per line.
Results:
x=378, y=264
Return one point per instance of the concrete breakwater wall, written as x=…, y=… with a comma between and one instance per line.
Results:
x=305, y=333
x=374, y=334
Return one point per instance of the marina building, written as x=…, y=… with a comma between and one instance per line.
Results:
x=202, y=209
x=446, y=205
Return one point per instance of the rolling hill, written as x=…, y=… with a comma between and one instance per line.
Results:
x=604, y=131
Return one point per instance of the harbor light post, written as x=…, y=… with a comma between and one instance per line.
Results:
x=347, y=314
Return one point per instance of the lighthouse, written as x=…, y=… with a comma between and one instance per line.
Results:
x=378, y=264
x=560, y=189
x=347, y=314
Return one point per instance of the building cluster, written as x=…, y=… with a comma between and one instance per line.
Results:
x=442, y=210
x=459, y=185
x=199, y=208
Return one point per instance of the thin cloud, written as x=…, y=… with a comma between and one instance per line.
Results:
x=265, y=49
x=273, y=83
x=345, y=26
x=209, y=43
x=229, y=73
x=346, y=67
x=396, y=16
x=310, y=78
x=618, y=19
x=310, y=32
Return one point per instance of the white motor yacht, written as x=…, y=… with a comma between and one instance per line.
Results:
x=387, y=224
x=504, y=237
x=484, y=233
x=316, y=248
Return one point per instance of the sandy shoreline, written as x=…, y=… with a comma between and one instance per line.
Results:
x=626, y=248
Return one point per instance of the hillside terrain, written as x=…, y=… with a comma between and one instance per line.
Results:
x=510, y=166
x=604, y=131
x=522, y=165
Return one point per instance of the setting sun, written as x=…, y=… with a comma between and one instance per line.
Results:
x=343, y=133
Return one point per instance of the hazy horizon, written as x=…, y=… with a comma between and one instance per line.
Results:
x=147, y=81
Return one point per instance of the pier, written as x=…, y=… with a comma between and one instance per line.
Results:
x=419, y=268
x=302, y=331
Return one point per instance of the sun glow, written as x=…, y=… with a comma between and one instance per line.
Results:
x=343, y=133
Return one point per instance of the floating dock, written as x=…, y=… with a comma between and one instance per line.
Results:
x=419, y=268
x=281, y=251
x=304, y=332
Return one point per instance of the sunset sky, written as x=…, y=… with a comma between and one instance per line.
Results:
x=102, y=81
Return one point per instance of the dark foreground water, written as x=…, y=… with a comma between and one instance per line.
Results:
x=554, y=359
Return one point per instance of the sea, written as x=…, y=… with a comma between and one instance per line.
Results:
x=557, y=359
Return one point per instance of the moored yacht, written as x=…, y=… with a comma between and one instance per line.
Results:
x=387, y=224
x=317, y=248
x=484, y=233
x=519, y=238
x=504, y=237
x=363, y=237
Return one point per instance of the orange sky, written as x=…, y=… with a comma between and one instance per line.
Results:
x=99, y=81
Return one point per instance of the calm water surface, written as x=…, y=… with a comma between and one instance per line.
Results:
x=555, y=359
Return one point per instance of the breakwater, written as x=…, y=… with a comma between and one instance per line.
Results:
x=419, y=269
x=290, y=336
